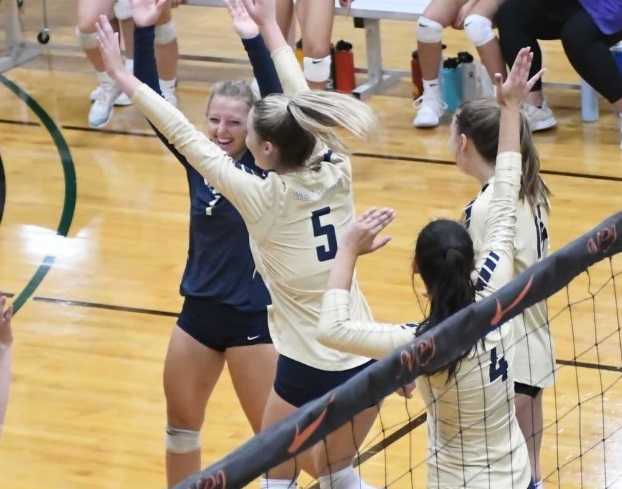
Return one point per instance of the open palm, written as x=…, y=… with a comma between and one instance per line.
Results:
x=147, y=12
x=518, y=84
x=362, y=236
x=245, y=27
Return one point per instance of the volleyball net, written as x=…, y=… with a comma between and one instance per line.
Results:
x=582, y=425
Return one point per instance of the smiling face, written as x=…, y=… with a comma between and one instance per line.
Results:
x=226, y=124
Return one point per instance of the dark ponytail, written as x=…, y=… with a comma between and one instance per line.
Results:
x=444, y=257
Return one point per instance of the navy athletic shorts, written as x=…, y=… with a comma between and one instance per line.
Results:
x=220, y=326
x=298, y=383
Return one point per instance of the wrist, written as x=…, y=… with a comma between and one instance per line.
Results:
x=347, y=253
x=511, y=106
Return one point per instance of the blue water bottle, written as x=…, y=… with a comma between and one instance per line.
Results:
x=451, y=84
x=589, y=103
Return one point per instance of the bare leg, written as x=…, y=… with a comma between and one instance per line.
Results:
x=252, y=380
x=285, y=19
x=529, y=416
x=316, y=24
x=444, y=12
x=191, y=371
x=88, y=13
x=342, y=445
x=490, y=53
x=276, y=410
x=167, y=53
x=127, y=31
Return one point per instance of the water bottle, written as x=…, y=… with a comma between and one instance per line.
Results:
x=344, y=67
x=468, y=76
x=589, y=103
x=451, y=84
x=485, y=87
x=415, y=73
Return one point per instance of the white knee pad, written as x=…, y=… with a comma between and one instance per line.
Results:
x=429, y=30
x=87, y=40
x=182, y=441
x=165, y=33
x=479, y=29
x=317, y=70
x=122, y=9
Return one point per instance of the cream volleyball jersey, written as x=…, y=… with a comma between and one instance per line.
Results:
x=474, y=439
x=294, y=222
x=534, y=359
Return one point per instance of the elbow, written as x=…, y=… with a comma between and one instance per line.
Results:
x=324, y=331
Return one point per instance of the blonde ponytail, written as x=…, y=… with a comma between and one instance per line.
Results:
x=296, y=125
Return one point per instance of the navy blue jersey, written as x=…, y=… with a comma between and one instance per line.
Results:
x=219, y=265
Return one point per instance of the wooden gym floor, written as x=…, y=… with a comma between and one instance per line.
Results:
x=87, y=409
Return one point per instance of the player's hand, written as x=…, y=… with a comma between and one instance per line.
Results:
x=147, y=12
x=109, y=47
x=6, y=313
x=243, y=24
x=514, y=91
x=361, y=237
x=407, y=390
x=263, y=12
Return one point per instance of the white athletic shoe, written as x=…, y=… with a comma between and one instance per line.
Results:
x=169, y=95
x=540, y=118
x=430, y=108
x=101, y=110
x=121, y=101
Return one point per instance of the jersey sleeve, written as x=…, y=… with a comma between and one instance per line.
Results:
x=263, y=67
x=146, y=70
x=495, y=267
x=251, y=195
x=288, y=69
x=365, y=338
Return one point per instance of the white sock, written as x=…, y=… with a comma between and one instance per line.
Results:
x=102, y=77
x=432, y=87
x=277, y=484
x=129, y=65
x=343, y=479
x=169, y=86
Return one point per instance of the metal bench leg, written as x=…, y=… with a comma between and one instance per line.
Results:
x=378, y=79
x=18, y=51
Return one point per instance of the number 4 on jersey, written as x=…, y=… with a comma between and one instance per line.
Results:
x=328, y=251
x=498, y=371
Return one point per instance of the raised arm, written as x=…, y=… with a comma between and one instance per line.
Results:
x=251, y=195
x=337, y=329
x=263, y=12
x=6, y=340
x=258, y=54
x=498, y=252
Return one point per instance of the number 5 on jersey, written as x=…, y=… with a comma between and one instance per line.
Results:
x=326, y=251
